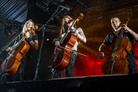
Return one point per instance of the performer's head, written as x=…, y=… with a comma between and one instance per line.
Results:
x=29, y=25
x=65, y=21
x=115, y=22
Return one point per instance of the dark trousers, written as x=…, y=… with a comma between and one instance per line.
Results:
x=132, y=63
x=69, y=68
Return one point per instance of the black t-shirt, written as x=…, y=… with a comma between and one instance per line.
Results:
x=111, y=37
x=31, y=50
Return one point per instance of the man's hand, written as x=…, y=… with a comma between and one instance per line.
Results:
x=101, y=54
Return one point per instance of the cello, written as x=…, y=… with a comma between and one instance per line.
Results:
x=12, y=62
x=62, y=53
x=117, y=63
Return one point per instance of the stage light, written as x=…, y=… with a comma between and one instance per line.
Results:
x=8, y=32
x=47, y=39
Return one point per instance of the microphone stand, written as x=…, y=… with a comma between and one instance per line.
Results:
x=43, y=32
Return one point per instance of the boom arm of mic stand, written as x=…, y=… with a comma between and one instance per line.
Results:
x=51, y=18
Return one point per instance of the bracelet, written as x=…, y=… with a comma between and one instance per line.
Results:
x=101, y=51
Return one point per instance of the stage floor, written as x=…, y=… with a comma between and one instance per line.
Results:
x=102, y=83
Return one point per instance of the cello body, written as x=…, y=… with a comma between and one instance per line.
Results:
x=62, y=55
x=11, y=64
x=116, y=62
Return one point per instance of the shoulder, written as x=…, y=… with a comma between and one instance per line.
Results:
x=110, y=34
x=80, y=29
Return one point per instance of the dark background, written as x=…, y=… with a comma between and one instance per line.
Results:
x=96, y=24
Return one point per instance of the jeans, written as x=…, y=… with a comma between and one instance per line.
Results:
x=69, y=68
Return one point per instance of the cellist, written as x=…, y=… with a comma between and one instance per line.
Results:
x=132, y=36
x=66, y=23
x=28, y=32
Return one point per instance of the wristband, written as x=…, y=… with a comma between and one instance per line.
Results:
x=71, y=30
x=29, y=39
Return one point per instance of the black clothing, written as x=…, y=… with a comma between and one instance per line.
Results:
x=111, y=36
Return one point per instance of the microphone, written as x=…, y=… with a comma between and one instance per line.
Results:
x=67, y=8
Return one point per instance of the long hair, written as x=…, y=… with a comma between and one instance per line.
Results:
x=25, y=28
x=63, y=29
